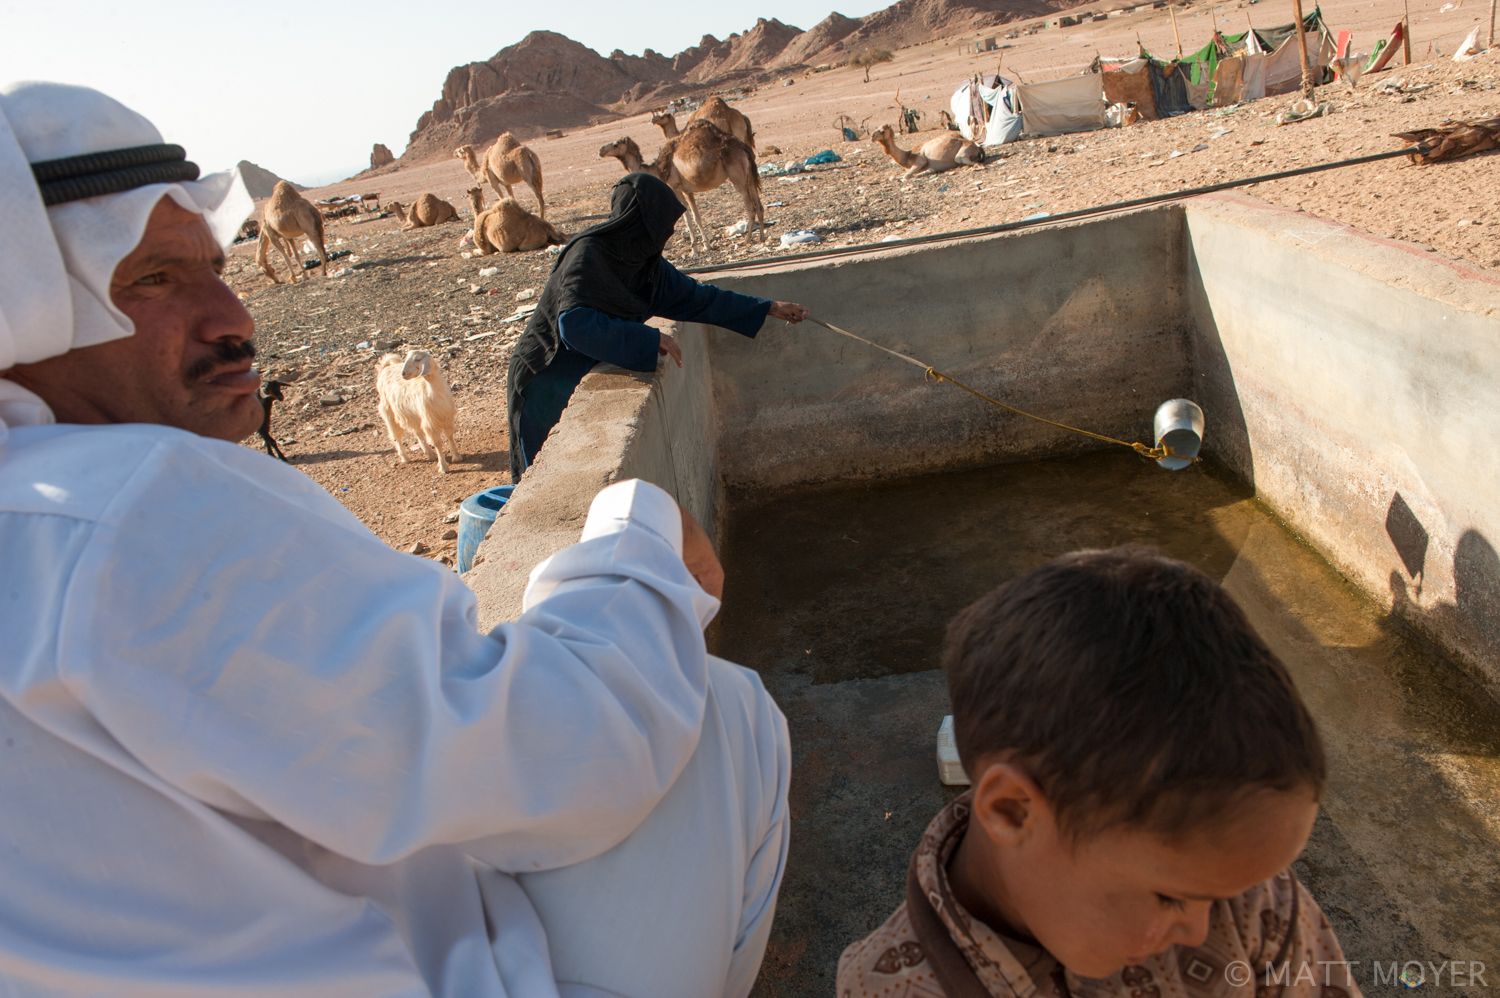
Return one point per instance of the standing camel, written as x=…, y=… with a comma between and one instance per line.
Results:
x=715, y=110
x=507, y=227
x=506, y=164
x=936, y=155
x=429, y=209
x=287, y=216
x=700, y=159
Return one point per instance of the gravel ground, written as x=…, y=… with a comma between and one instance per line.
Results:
x=415, y=289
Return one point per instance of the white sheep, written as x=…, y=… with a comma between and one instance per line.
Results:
x=414, y=398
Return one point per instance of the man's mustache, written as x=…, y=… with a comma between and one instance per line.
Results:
x=225, y=354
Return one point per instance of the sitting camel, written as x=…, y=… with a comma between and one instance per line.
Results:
x=715, y=110
x=700, y=159
x=287, y=216
x=429, y=209
x=936, y=155
x=508, y=228
x=506, y=164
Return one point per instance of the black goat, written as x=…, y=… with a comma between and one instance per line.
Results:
x=270, y=394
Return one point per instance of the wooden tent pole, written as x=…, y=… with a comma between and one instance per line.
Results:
x=1491, y=43
x=1406, y=30
x=1307, y=83
x=1175, y=37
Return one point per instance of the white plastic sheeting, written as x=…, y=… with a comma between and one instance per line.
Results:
x=1072, y=104
x=1004, y=123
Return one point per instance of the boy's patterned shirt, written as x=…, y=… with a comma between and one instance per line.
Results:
x=1247, y=934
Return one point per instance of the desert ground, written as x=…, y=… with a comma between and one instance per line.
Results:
x=409, y=289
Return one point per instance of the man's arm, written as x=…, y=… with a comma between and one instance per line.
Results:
x=279, y=666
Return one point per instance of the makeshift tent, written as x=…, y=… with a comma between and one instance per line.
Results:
x=1130, y=83
x=992, y=104
x=1271, y=64
x=1072, y=104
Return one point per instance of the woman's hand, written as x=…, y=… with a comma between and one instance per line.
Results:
x=669, y=347
x=789, y=311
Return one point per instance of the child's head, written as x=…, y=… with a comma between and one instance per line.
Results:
x=1136, y=752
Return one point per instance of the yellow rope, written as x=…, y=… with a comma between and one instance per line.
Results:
x=1155, y=453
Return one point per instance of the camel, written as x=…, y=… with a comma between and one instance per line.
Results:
x=701, y=159
x=429, y=209
x=508, y=228
x=715, y=110
x=506, y=164
x=936, y=155
x=287, y=216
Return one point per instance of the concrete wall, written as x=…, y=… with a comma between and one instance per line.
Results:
x=618, y=425
x=1355, y=382
x=1053, y=321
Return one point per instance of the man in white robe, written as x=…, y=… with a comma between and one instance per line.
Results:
x=248, y=749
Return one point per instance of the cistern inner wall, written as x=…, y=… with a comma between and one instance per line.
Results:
x=1349, y=380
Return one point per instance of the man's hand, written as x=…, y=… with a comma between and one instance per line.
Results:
x=698, y=555
x=789, y=311
x=669, y=347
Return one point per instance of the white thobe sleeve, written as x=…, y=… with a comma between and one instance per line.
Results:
x=266, y=654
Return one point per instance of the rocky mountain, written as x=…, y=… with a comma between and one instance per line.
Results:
x=547, y=80
x=824, y=37
x=755, y=49
x=260, y=181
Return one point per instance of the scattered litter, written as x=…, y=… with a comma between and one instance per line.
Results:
x=791, y=180
x=478, y=336
x=451, y=516
x=554, y=250
x=797, y=236
x=467, y=255
x=489, y=271
x=770, y=169
x=366, y=344
x=524, y=295
x=826, y=156
x=1301, y=110
x=1199, y=148
x=740, y=228
x=795, y=166
x=1470, y=47
x=891, y=239
x=1221, y=133
x=1174, y=154
x=474, y=289
x=308, y=247
x=1040, y=214
x=343, y=272
x=775, y=204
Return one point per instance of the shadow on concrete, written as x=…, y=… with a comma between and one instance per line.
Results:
x=1408, y=535
x=1226, y=435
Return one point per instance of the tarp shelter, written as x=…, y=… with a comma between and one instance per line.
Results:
x=1130, y=83
x=994, y=100
x=1246, y=66
x=1072, y=104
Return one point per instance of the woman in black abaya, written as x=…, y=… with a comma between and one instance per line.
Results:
x=606, y=283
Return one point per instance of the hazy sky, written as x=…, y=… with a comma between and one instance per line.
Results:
x=304, y=89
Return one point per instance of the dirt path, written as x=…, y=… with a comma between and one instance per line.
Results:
x=415, y=289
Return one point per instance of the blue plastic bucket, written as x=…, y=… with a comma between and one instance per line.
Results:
x=475, y=517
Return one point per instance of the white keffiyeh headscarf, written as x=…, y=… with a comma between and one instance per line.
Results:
x=56, y=263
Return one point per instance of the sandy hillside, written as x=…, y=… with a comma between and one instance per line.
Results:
x=416, y=289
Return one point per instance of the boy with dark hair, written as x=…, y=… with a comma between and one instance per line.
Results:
x=1143, y=773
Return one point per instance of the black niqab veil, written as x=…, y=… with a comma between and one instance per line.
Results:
x=614, y=267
